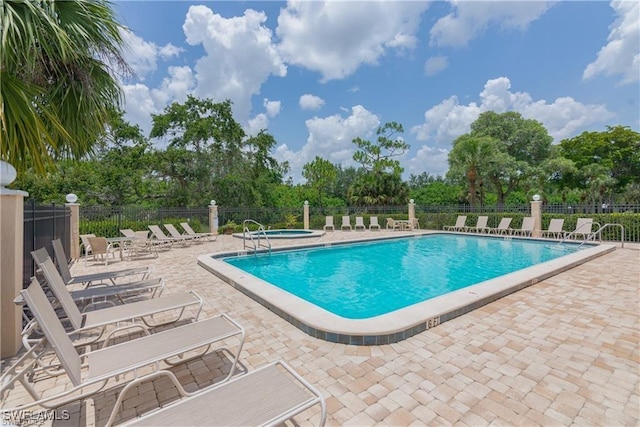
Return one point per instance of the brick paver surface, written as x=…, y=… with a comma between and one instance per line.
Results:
x=561, y=352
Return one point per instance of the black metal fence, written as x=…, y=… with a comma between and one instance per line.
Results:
x=42, y=224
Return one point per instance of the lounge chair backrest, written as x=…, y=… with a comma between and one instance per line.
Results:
x=141, y=234
x=504, y=223
x=461, y=221
x=187, y=228
x=61, y=260
x=555, y=225
x=172, y=230
x=373, y=221
x=346, y=220
x=54, y=280
x=482, y=221
x=527, y=223
x=328, y=220
x=584, y=225
x=359, y=221
x=53, y=330
x=157, y=232
x=40, y=255
x=128, y=232
x=391, y=222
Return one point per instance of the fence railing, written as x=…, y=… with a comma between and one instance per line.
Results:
x=42, y=224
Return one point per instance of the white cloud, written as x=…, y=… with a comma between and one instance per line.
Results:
x=621, y=55
x=272, y=107
x=142, y=55
x=435, y=64
x=175, y=87
x=310, y=102
x=140, y=106
x=239, y=56
x=428, y=159
x=335, y=38
x=562, y=118
x=471, y=18
x=330, y=138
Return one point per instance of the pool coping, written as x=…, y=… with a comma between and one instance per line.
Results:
x=397, y=325
x=308, y=234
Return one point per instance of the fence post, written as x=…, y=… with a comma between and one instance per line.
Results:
x=213, y=217
x=536, y=213
x=74, y=229
x=11, y=253
x=305, y=214
x=412, y=211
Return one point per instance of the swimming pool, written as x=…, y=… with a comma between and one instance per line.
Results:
x=405, y=314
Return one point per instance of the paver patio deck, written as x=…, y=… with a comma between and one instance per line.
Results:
x=564, y=351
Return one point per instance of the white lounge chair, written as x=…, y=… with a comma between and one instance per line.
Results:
x=328, y=223
x=87, y=296
x=267, y=396
x=88, y=279
x=526, y=229
x=583, y=229
x=373, y=223
x=502, y=228
x=480, y=227
x=555, y=229
x=360, y=223
x=111, y=365
x=459, y=225
x=205, y=236
x=159, y=236
x=346, y=223
x=100, y=319
x=173, y=231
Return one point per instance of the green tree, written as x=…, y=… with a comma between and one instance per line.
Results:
x=381, y=183
x=468, y=158
x=522, y=145
x=57, y=88
x=320, y=175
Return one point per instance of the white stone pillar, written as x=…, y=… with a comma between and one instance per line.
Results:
x=305, y=214
x=536, y=213
x=412, y=210
x=213, y=217
x=11, y=253
x=74, y=232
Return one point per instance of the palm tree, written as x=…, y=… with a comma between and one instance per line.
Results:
x=56, y=64
x=468, y=155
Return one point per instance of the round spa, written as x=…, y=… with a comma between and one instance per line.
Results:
x=287, y=233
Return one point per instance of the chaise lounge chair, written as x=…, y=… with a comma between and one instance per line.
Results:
x=360, y=224
x=269, y=395
x=328, y=223
x=480, y=227
x=373, y=223
x=86, y=297
x=526, y=229
x=159, y=237
x=502, y=228
x=100, y=319
x=173, y=231
x=583, y=229
x=204, y=236
x=346, y=223
x=392, y=224
x=88, y=279
x=109, y=364
x=459, y=225
x=555, y=229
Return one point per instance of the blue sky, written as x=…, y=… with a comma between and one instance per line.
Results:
x=317, y=74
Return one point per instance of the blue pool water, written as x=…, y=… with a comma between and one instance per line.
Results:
x=359, y=281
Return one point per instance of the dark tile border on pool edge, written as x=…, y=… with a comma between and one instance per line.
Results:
x=395, y=336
